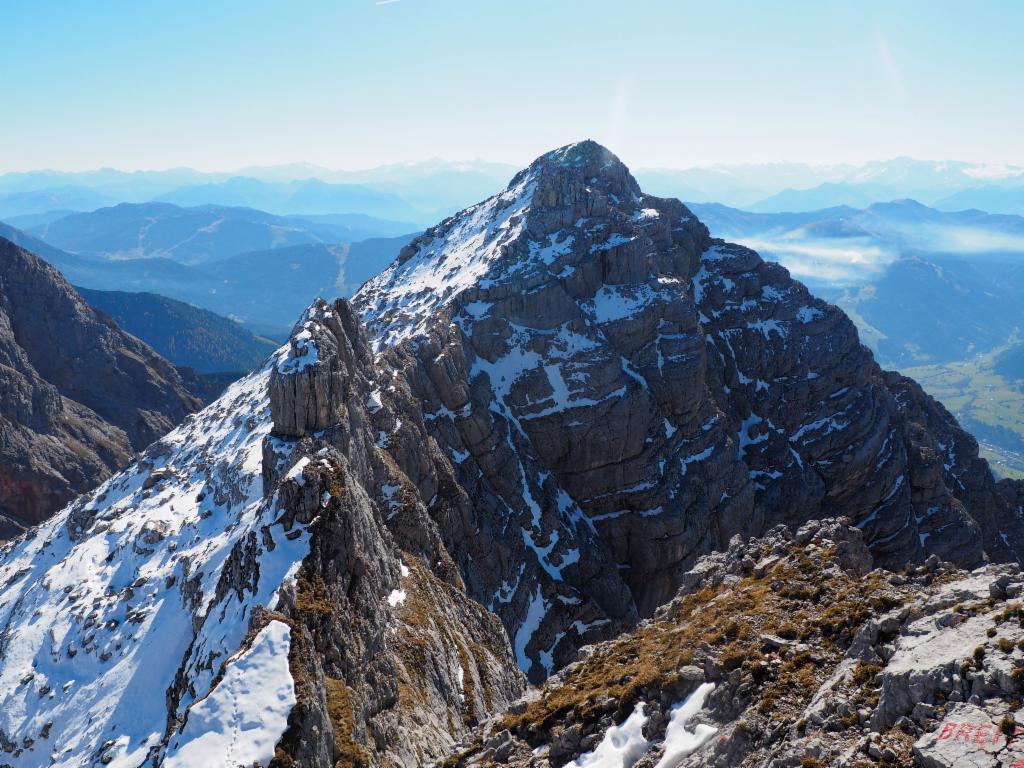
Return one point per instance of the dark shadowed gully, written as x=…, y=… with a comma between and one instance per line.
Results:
x=78, y=396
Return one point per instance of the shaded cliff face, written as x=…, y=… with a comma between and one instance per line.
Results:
x=620, y=393
x=79, y=395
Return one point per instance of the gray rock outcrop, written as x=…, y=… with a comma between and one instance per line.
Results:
x=420, y=674
x=799, y=655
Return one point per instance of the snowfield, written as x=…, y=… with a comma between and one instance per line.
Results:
x=624, y=744
x=407, y=294
x=106, y=602
x=244, y=716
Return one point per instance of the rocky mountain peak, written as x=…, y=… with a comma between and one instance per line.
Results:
x=628, y=393
x=532, y=432
x=587, y=157
x=570, y=203
x=568, y=176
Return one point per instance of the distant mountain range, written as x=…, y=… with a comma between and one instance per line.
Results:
x=66, y=198
x=263, y=290
x=200, y=234
x=992, y=198
x=798, y=187
x=422, y=192
x=291, y=197
x=418, y=192
x=827, y=195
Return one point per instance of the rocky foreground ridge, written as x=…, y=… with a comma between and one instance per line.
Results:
x=79, y=396
x=245, y=592
x=789, y=650
x=528, y=435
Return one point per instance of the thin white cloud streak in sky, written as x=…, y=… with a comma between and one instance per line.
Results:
x=887, y=62
x=617, y=113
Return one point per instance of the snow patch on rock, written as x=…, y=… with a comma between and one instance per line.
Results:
x=243, y=717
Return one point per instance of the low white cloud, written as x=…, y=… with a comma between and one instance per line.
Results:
x=848, y=261
x=968, y=240
x=838, y=261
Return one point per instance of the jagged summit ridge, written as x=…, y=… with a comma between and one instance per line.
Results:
x=507, y=235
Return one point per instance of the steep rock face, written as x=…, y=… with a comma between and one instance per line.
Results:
x=620, y=393
x=413, y=677
x=79, y=396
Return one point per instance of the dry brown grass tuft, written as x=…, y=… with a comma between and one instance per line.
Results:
x=791, y=600
x=339, y=709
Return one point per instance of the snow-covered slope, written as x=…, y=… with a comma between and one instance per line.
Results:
x=452, y=258
x=125, y=590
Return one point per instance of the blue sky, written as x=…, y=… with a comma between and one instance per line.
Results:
x=354, y=83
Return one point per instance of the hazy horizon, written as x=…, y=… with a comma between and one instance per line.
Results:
x=996, y=168
x=360, y=84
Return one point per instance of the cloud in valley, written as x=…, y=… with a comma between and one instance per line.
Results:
x=839, y=261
